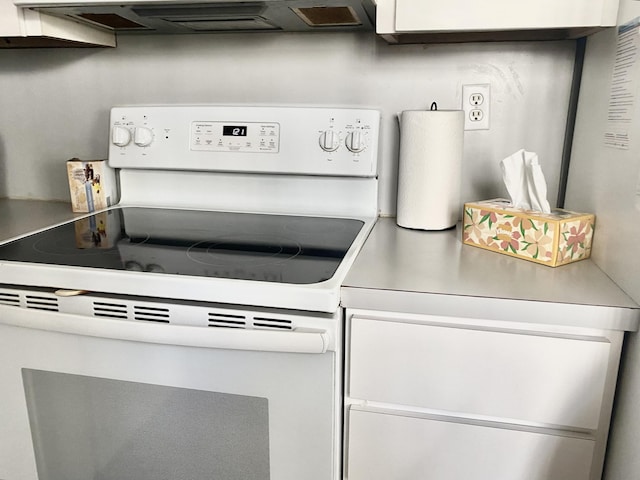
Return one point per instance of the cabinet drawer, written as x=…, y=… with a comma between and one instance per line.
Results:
x=383, y=447
x=522, y=376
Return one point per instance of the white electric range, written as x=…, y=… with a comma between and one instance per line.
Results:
x=193, y=330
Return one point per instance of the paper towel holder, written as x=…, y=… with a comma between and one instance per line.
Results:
x=429, y=168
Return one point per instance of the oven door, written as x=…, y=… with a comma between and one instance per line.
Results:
x=76, y=406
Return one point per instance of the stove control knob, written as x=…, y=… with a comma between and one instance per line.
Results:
x=329, y=141
x=120, y=136
x=355, y=142
x=142, y=136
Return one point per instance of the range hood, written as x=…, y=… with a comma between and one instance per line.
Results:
x=207, y=16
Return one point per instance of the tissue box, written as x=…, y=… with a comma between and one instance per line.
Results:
x=92, y=184
x=552, y=239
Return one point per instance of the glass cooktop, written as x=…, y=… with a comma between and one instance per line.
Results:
x=261, y=247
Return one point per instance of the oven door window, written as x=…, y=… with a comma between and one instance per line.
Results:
x=80, y=432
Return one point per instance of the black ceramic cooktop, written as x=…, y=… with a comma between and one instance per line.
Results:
x=272, y=248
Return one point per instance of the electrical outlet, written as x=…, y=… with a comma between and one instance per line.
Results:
x=476, y=115
x=476, y=100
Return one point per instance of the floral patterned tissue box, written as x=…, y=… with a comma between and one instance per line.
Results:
x=553, y=239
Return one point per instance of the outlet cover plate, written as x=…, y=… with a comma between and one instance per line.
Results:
x=476, y=102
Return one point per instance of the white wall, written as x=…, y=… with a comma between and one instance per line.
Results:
x=54, y=104
x=606, y=181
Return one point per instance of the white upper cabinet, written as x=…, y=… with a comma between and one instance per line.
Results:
x=412, y=21
x=20, y=28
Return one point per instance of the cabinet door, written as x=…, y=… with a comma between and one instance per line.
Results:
x=383, y=447
x=522, y=376
x=474, y=15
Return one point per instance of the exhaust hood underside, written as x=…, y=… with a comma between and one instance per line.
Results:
x=208, y=17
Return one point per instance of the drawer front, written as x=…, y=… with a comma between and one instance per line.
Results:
x=518, y=376
x=383, y=447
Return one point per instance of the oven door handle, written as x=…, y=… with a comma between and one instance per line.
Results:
x=310, y=341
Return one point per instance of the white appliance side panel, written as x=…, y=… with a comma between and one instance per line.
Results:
x=382, y=447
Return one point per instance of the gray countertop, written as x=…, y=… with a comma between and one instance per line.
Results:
x=18, y=217
x=434, y=273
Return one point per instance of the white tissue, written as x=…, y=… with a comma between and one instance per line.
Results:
x=525, y=181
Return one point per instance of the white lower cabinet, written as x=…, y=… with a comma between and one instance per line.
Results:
x=444, y=398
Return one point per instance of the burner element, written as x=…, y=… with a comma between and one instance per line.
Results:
x=244, y=250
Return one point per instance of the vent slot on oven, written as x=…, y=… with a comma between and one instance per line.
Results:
x=272, y=323
x=12, y=299
x=151, y=314
x=39, y=302
x=230, y=320
x=110, y=310
x=226, y=320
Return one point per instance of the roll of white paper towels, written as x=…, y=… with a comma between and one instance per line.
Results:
x=429, y=172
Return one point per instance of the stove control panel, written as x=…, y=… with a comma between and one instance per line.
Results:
x=235, y=137
x=262, y=139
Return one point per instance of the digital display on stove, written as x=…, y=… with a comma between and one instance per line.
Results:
x=245, y=246
x=234, y=130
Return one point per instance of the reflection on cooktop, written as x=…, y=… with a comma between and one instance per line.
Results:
x=272, y=248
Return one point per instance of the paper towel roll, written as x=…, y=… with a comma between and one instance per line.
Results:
x=430, y=168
